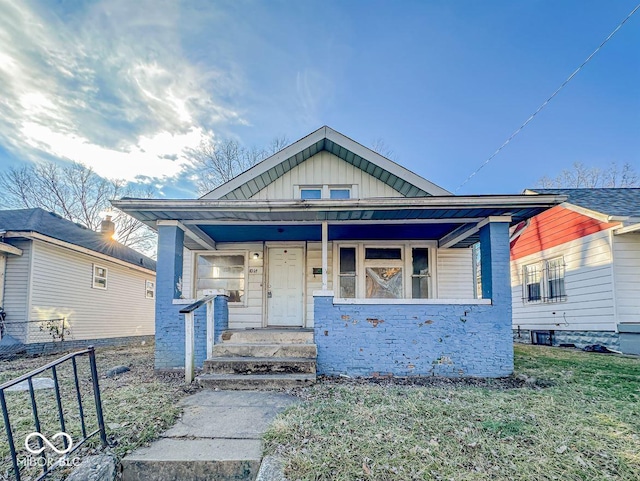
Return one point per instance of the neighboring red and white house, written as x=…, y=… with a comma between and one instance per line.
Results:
x=575, y=271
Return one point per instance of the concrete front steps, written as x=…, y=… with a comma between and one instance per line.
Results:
x=261, y=359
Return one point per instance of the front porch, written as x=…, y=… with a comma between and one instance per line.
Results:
x=386, y=285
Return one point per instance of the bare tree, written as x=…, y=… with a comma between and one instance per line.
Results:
x=76, y=193
x=581, y=176
x=217, y=162
x=379, y=146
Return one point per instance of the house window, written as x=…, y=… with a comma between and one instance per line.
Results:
x=100, y=275
x=383, y=272
x=149, y=289
x=555, y=279
x=420, y=274
x=339, y=193
x=311, y=193
x=325, y=191
x=222, y=271
x=532, y=283
x=347, y=272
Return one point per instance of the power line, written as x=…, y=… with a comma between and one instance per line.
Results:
x=544, y=104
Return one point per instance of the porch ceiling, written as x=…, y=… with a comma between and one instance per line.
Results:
x=452, y=220
x=313, y=232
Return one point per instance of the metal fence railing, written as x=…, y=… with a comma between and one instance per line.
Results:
x=46, y=422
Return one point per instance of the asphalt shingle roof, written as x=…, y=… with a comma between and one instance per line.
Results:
x=623, y=202
x=52, y=225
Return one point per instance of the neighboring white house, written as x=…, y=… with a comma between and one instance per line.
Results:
x=60, y=281
x=575, y=271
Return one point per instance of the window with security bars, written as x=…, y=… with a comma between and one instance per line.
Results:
x=555, y=270
x=532, y=283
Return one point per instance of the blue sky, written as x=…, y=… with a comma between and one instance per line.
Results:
x=128, y=87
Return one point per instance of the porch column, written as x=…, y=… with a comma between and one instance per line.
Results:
x=169, y=322
x=494, y=264
x=325, y=255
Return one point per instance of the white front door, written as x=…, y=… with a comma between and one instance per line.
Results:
x=285, y=301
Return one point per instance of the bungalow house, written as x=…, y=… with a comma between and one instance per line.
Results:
x=328, y=248
x=63, y=285
x=574, y=271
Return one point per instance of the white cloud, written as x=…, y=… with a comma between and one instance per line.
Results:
x=106, y=84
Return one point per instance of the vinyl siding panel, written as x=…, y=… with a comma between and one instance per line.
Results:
x=588, y=286
x=62, y=287
x=188, y=273
x=455, y=273
x=326, y=168
x=16, y=288
x=626, y=254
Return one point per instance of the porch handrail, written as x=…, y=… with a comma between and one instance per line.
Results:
x=189, y=331
x=200, y=302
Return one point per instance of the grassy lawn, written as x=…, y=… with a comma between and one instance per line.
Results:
x=137, y=406
x=576, y=418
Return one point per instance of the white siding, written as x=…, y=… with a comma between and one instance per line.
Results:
x=326, y=168
x=188, y=273
x=62, y=287
x=455, y=273
x=588, y=285
x=626, y=255
x=16, y=288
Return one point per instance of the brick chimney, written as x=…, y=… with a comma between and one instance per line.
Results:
x=107, y=228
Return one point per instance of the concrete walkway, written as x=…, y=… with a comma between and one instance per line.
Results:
x=218, y=437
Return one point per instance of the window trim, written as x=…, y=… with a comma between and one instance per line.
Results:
x=96, y=276
x=222, y=252
x=147, y=290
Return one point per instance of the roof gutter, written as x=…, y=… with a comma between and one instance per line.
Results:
x=9, y=249
x=432, y=202
x=628, y=229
